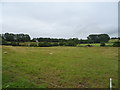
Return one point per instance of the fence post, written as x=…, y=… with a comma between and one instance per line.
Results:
x=110, y=83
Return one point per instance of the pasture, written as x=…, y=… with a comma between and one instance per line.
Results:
x=59, y=67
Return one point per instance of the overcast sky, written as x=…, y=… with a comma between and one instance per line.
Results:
x=61, y=19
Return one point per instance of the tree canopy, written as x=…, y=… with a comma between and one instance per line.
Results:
x=16, y=37
x=98, y=38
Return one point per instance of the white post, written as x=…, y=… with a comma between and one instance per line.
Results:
x=110, y=83
x=37, y=42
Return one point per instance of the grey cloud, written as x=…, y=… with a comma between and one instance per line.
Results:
x=62, y=20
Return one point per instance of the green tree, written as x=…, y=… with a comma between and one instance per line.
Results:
x=116, y=44
x=102, y=44
x=16, y=37
x=71, y=43
x=104, y=38
x=98, y=38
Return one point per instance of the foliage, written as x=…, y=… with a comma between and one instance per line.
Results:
x=15, y=43
x=84, y=41
x=48, y=39
x=62, y=43
x=115, y=38
x=44, y=44
x=102, y=44
x=55, y=44
x=104, y=38
x=98, y=38
x=13, y=39
x=71, y=43
x=33, y=44
x=88, y=45
x=16, y=37
x=5, y=42
x=116, y=44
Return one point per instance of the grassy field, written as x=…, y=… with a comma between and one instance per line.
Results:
x=96, y=45
x=59, y=67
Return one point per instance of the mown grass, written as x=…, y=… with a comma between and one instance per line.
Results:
x=59, y=67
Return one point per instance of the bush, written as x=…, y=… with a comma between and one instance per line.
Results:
x=71, y=44
x=45, y=44
x=62, y=44
x=55, y=44
x=15, y=43
x=4, y=42
x=102, y=44
x=88, y=45
x=116, y=44
x=33, y=45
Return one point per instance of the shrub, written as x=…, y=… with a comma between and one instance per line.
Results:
x=45, y=44
x=116, y=44
x=102, y=44
x=71, y=44
x=15, y=43
x=55, y=44
x=62, y=44
x=88, y=45
x=4, y=42
x=33, y=45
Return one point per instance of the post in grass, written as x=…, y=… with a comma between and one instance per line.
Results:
x=37, y=42
x=110, y=83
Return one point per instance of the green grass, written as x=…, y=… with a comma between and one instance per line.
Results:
x=96, y=44
x=59, y=67
x=113, y=40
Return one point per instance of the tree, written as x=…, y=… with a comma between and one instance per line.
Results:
x=116, y=44
x=16, y=37
x=45, y=44
x=61, y=43
x=81, y=41
x=102, y=44
x=8, y=36
x=15, y=43
x=71, y=43
x=104, y=38
x=94, y=38
x=98, y=38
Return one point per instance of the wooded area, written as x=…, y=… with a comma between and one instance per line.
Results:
x=15, y=39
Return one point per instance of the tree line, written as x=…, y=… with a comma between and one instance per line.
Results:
x=98, y=38
x=15, y=39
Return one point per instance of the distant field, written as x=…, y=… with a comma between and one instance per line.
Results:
x=114, y=40
x=95, y=44
x=59, y=67
x=109, y=44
